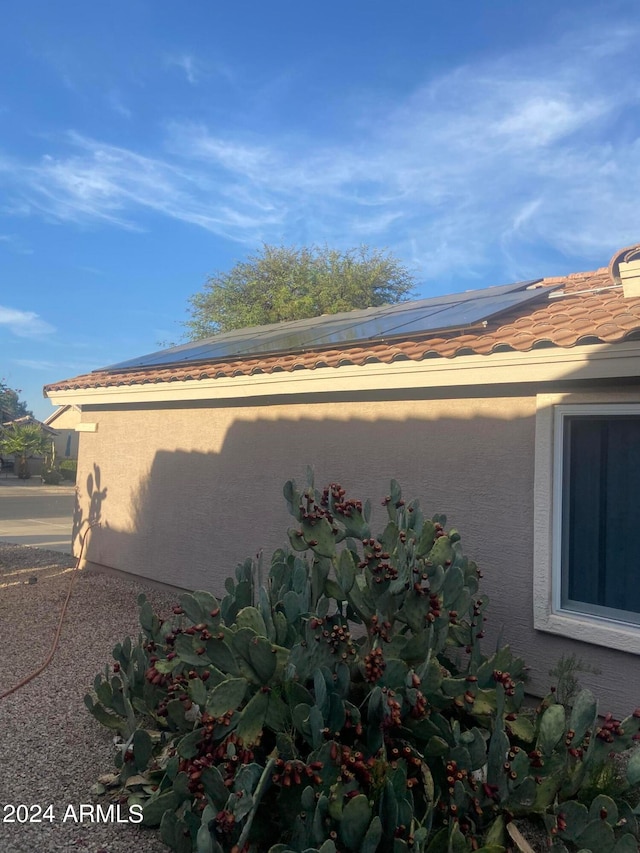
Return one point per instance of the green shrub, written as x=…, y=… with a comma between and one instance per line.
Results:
x=69, y=468
x=51, y=476
x=346, y=706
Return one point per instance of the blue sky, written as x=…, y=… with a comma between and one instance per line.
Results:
x=147, y=144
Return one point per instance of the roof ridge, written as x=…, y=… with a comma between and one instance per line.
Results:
x=554, y=279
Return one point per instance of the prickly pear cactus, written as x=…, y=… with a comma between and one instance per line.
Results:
x=346, y=706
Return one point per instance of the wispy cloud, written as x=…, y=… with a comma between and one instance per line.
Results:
x=195, y=70
x=24, y=324
x=191, y=67
x=91, y=270
x=36, y=364
x=42, y=365
x=524, y=150
x=116, y=103
x=111, y=184
x=15, y=244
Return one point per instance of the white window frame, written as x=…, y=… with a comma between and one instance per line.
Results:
x=548, y=614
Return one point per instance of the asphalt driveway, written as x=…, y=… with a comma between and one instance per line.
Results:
x=32, y=513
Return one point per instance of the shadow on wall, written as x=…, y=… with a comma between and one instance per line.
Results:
x=86, y=521
x=197, y=514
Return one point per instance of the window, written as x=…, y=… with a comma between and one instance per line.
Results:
x=600, y=547
x=587, y=569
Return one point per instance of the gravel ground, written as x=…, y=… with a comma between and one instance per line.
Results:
x=51, y=749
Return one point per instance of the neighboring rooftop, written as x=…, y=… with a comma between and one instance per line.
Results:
x=574, y=310
x=29, y=420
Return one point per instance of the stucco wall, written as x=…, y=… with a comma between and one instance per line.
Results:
x=183, y=494
x=66, y=417
x=64, y=423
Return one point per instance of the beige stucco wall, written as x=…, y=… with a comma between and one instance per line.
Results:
x=184, y=493
x=66, y=417
x=64, y=423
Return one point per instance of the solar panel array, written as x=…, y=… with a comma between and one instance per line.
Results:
x=435, y=314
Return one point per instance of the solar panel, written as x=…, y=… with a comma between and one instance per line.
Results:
x=434, y=314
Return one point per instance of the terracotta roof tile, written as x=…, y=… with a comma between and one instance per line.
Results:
x=625, y=319
x=581, y=323
x=608, y=331
x=543, y=329
x=585, y=306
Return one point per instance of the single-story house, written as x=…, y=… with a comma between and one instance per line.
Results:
x=514, y=410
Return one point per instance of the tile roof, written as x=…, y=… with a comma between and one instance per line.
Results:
x=29, y=420
x=585, y=308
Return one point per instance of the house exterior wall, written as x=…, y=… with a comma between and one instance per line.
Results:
x=66, y=439
x=184, y=492
x=64, y=423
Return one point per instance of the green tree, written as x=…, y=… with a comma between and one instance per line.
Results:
x=289, y=283
x=11, y=406
x=23, y=441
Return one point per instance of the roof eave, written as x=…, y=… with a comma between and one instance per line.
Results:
x=595, y=361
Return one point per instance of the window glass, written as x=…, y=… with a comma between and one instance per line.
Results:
x=601, y=517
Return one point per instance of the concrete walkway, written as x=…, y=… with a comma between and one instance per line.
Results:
x=32, y=513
